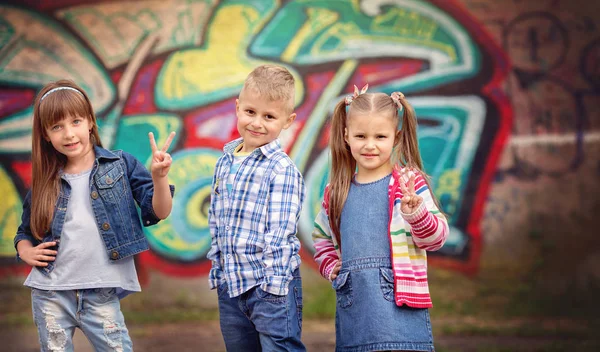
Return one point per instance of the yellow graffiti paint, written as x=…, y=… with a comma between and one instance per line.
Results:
x=223, y=64
x=449, y=185
x=194, y=217
x=219, y=68
x=407, y=23
x=10, y=211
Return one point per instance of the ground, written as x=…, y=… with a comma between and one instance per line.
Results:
x=317, y=335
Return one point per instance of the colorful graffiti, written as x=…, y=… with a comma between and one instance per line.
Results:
x=153, y=66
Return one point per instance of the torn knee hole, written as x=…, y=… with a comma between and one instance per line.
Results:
x=112, y=331
x=57, y=337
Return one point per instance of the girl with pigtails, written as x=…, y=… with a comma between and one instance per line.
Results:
x=378, y=219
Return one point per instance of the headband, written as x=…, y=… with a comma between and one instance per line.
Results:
x=57, y=89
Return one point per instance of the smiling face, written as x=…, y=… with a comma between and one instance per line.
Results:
x=260, y=120
x=71, y=137
x=371, y=138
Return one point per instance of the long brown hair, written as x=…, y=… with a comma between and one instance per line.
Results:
x=343, y=166
x=46, y=161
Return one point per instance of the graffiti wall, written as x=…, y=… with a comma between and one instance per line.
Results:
x=494, y=91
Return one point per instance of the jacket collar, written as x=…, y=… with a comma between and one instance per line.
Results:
x=102, y=153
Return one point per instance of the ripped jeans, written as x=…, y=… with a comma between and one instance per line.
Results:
x=97, y=312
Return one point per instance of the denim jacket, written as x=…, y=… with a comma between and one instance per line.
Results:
x=117, y=182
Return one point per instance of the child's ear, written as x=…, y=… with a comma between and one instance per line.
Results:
x=237, y=105
x=289, y=121
x=346, y=135
x=397, y=138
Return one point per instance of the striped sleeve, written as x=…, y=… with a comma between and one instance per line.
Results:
x=429, y=227
x=326, y=254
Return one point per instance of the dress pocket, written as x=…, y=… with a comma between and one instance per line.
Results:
x=343, y=289
x=386, y=281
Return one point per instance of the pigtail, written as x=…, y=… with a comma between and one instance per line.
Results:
x=407, y=153
x=343, y=167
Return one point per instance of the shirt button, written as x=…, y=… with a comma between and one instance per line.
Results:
x=229, y=256
x=227, y=228
x=105, y=226
x=109, y=180
x=94, y=195
x=114, y=255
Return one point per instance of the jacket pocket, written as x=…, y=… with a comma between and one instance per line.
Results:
x=386, y=281
x=343, y=289
x=111, y=184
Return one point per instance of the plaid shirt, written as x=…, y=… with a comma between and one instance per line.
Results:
x=253, y=226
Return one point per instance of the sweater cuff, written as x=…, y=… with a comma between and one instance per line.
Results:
x=416, y=216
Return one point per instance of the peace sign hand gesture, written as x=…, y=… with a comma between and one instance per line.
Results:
x=410, y=200
x=161, y=160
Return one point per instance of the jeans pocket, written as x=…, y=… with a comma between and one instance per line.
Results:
x=105, y=294
x=343, y=289
x=386, y=281
x=42, y=293
x=269, y=297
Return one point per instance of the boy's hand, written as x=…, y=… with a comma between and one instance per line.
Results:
x=161, y=160
x=38, y=255
x=336, y=270
x=410, y=200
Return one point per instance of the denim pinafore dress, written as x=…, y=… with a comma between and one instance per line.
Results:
x=367, y=318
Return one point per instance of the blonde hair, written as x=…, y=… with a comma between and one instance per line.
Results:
x=274, y=82
x=406, y=150
x=46, y=161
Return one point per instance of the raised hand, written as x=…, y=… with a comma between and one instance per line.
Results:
x=161, y=160
x=410, y=200
x=39, y=255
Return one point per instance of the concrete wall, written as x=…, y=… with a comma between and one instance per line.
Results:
x=506, y=93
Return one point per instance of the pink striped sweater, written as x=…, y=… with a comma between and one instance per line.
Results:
x=411, y=235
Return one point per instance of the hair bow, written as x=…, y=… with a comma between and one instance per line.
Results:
x=350, y=98
x=397, y=97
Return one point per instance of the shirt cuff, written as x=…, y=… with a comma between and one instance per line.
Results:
x=215, y=278
x=416, y=216
x=276, y=285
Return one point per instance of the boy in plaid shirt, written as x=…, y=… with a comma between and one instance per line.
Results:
x=256, y=198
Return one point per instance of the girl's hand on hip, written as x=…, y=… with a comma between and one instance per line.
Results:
x=161, y=160
x=38, y=255
x=410, y=200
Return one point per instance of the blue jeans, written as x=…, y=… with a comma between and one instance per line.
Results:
x=259, y=321
x=97, y=312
